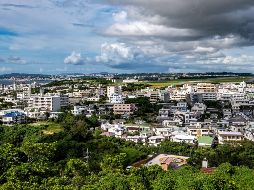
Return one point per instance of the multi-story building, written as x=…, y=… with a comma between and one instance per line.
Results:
x=199, y=131
x=116, y=99
x=209, y=96
x=205, y=88
x=123, y=109
x=14, y=118
x=154, y=96
x=227, y=136
x=79, y=110
x=155, y=140
x=178, y=96
x=181, y=107
x=64, y=100
x=199, y=107
x=45, y=103
x=113, y=90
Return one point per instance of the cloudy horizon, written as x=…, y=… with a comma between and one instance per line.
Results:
x=126, y=36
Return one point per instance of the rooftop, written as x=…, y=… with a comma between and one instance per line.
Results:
x=230, y=133
x=14, y=114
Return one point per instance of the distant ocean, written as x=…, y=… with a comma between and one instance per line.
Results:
x=9, y=82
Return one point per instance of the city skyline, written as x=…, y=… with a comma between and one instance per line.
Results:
x=130, y=36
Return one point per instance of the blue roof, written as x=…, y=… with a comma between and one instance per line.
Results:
x=14, y=114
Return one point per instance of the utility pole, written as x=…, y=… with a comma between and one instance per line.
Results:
x=86, y=155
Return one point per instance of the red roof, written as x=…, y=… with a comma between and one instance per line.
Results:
x=207, y=170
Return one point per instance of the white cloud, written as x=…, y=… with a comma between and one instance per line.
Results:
x=74, y=58
x=115, y=53
x=238, y=60
x=200, y=49
x=120, y=16
x=141, y=28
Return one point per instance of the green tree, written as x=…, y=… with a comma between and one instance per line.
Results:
x=114, y=162
x=76, y=167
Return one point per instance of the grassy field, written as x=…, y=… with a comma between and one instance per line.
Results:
x=51, y=127
x=190, y=81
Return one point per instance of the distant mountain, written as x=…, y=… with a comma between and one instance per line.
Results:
x=23, y=75
x=71, y=74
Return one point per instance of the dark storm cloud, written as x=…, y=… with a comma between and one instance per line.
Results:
x=141, y=67
x=184, y=35
x=16, y=60
x=207, y=18
x=17, y=5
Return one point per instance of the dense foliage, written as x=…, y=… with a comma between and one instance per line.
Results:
x=131, y=87
x=32, y=158
x=146, y=110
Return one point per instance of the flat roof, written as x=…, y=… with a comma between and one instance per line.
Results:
x=230, y=133
x=185, y=137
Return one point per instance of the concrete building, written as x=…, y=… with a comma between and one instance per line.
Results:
x=227, y=136
x=180, y=107
x=205, y=88
x=79, y=110
x=45, y=103
x=199, y=107
x=155, y=140
x=113, y=90
x=14, y=118
x=178, y=96
x=199, y=131
x=64, y=100
x=116, y=99
x=123, y=109
x=183, y=138
x=154, y=96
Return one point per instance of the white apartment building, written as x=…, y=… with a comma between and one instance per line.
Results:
x=183, y=138
x=227, y=136
x=45, y=103
x=130, y=80
x=180, y=107
x=172, y=123
x=208, y=91
x=199, y=107
x=205, y=88
x=78, y=110
x=116, y=99
x=137, y=139
x=166, y=132
x=9, y=99
x=113, y=90
x=178, y=96
x=25, y=95
x=199, y=131
x=155, y=140
x=210, y=96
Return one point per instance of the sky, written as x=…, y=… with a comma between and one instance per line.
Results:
x=126, y=36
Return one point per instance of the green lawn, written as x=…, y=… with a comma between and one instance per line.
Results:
x=192, y=81
x=51, y=127
x=205, y=140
